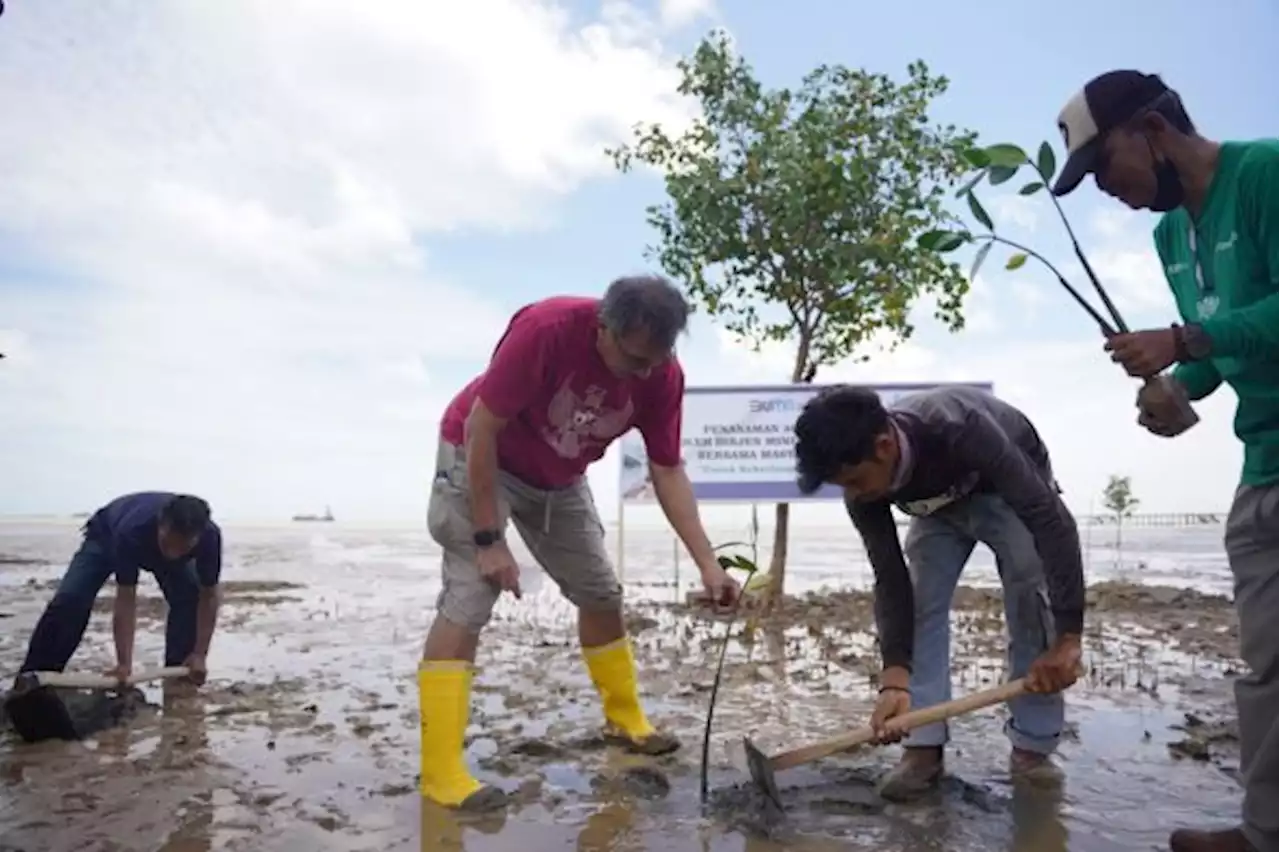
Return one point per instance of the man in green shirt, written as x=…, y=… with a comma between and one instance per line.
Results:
x=1217, y=241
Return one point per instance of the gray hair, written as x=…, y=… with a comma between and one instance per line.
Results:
x=648, y=302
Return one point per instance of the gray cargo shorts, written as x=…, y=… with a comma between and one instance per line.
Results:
x=560, y=528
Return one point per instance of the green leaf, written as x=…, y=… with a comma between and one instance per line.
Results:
x=1045, y=162
x=1000, y=174
x=951, y=242
x=979, y=212
x=930, y=239
x=1016, y=262
x=1031, y=188
x=980, y=259
x=1007, y=155
x=737, y=563
x=977, y=157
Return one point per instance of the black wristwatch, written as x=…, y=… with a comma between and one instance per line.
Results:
x=1192, y=343
x=486, y=538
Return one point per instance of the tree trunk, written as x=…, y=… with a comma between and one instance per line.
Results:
x=1120, y=543
x=802, y=372
x=778, y=560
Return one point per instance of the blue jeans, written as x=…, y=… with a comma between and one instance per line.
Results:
x=937, y=548
x=62, y=625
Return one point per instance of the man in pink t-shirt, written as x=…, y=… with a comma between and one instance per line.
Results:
x=569, y=376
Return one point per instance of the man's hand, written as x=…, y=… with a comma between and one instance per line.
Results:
x=894, y=701
x=1164, y=408
x=1144, y=353
x=721, y=590
x=197, y=669
x=1057, y=668
x=120, y=672
x=499, y=567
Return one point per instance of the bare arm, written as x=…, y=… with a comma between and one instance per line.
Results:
x=207, y=617
x=894, y=597
x=482, y=431
x=674, y=491
x=124, y=623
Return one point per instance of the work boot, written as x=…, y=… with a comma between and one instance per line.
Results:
x=613, y=671
x=444, y=697
x=1230, y=840
x=917, y=773
x=1034, y=768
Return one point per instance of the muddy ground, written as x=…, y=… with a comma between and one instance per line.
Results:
x=306, y=735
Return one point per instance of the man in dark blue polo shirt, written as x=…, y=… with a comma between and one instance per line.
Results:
x=170, y=535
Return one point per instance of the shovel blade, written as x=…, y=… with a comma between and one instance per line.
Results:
x=761, y=772
x=37, y=712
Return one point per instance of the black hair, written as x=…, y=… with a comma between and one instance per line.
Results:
x=648, y=302
x=837, y=427
x=186, y=515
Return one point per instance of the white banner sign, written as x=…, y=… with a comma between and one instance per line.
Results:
x=738, y=443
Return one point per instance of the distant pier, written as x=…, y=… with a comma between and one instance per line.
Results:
x=1145, y=519
x=1156, y=519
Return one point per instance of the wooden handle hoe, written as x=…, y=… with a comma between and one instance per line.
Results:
x=762, y=767
x=73, y=680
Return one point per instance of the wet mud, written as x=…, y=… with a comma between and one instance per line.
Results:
x=306, y=736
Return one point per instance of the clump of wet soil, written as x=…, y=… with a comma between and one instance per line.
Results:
x=1207, y=740
x=645, y=782
x=842, y=791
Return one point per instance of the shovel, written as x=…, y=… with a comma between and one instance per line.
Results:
x=37, y=710
x=763, y=767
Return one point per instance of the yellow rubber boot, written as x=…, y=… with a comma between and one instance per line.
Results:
x=613, y=671
x=444, y=700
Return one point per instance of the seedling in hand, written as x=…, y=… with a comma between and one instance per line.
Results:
x=999, y=164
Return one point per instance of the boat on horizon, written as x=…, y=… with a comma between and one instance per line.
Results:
x=326, y=517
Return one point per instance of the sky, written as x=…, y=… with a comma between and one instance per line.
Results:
x=250, y=249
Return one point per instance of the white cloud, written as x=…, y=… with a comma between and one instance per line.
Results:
x=675, y=14
x=1124, y=258
x=1019, y=211
x=221, y=211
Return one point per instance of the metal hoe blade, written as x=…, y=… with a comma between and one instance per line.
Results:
x=762, y=772
x=37, y=712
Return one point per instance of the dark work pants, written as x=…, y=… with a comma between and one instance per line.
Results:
x=1251, y=541
x=61, y=627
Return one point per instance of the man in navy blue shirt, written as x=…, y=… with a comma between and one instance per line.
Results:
x=170, y=535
